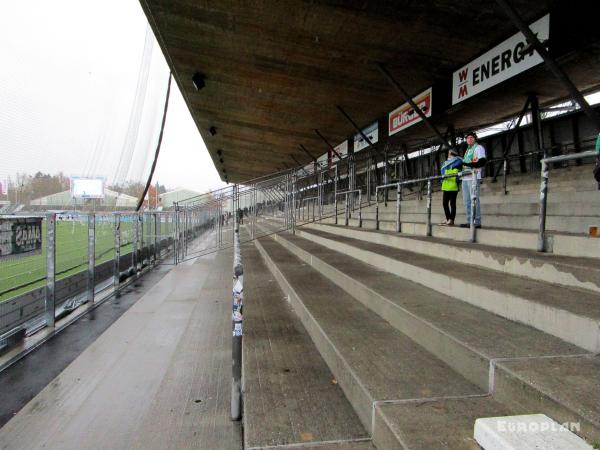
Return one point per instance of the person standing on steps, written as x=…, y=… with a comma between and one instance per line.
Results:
x=474, y=158
x=452, y=166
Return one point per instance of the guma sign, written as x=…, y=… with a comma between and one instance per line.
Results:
x=20, y=235
x=499, y=64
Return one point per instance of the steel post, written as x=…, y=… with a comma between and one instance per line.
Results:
x=50, y=305
x=237, y=329
x=91, y=258
x=346, y=209
x=429, y=194
x=156, y=251
x=376, y=208
x=541, y=244
x=474, y=183
x=398, y=200
x=117, y=261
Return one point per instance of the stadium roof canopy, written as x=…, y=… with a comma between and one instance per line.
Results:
x=275, y=70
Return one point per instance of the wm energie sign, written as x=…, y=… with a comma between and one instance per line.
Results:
x=498, y=64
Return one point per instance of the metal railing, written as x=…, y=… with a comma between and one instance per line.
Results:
x=84, y=258
x=349, y=205
x=545, y=173
x=428, y=181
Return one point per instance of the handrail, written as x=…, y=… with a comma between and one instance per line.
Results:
x=541, y=246
x=429, y=180
x=347, y=212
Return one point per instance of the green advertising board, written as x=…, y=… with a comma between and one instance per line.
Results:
x=20, y=236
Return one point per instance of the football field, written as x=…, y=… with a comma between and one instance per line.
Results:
x=19, y=274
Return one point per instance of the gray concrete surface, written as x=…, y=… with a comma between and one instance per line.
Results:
x=157, y=378
x=290, y=395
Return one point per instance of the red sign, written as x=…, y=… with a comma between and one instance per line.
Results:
x=405, y=116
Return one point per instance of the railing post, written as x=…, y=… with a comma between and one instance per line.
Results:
x=117, y=262
x=335, y=208
x=541, y=245
x=504, y=177
x=175, y=234
x=369, y=164
x=376, y=208
x=398, y=200
x=359, y=209
x=237, y=328
x=346, y=212
x=474, y=183
x=50, y=269
x=91, y=258
x=429, y=194
x=156, y=233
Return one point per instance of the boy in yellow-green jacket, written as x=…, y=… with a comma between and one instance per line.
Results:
x=453, y=165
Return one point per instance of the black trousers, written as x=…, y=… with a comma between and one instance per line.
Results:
x=449, y=202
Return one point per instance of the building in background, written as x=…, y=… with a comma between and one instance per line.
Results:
x=64, y=199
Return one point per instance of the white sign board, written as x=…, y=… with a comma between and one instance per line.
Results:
x=405, y=116
x=372, y=132
x=3, y=186
x=341, y=149
x=87, y=187
x=499, y=64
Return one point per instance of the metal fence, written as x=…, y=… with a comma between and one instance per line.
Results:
x=84, y=256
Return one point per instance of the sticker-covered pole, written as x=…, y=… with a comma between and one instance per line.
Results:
x=237, y=325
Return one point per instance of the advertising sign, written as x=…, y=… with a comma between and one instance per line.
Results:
x=498, y=64
x=342, y=150
x=405, y=116
x=20, y=236
x=372, y=132
x=87, y=187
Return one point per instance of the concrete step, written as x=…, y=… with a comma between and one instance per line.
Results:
x=489, y=350
x=564, y=270
x=570, y=314
x=576, y=245
x=562, y=224
x=373, y=362
x=287, y=400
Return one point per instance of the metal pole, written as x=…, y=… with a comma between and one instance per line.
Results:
x=536, y=123
x=50, y=269
x=346, y=212
x=474, y=183
x=398, y=200
x=175, y=234
x=504, y=168
x=91, y=258
x=370, y=164
x=541, y=245
x=360, y=209
x=294, y=202
x=117, y=261
x=156, y=233
x=429, y=194
x=237, y=328
x=376, y=208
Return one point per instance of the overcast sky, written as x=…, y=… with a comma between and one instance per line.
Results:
x=68, y=90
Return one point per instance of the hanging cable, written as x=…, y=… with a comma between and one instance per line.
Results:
x=160, y=136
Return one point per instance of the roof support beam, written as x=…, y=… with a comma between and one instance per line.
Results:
x=407, y=98
x=327, y=142
x=308, y=153
x=558, y=72
x=361, y=132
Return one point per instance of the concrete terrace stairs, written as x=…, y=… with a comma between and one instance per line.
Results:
x=426, y=334
x=413, y=360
